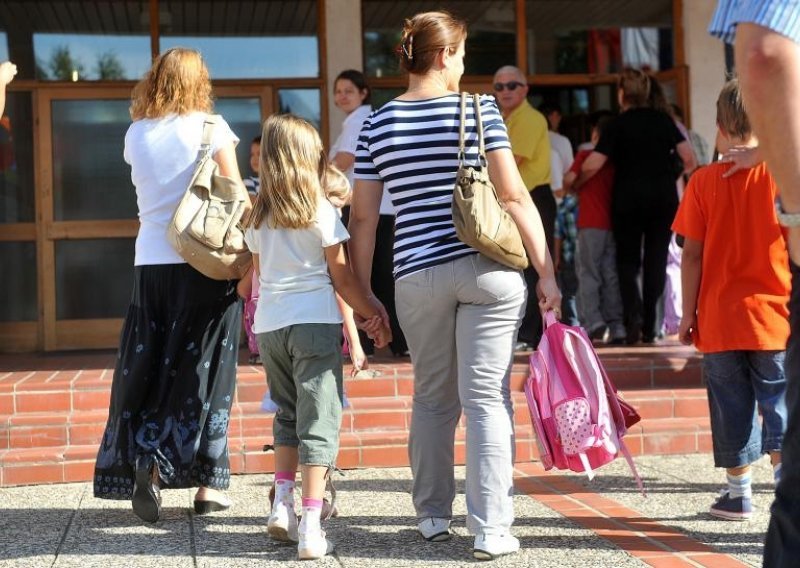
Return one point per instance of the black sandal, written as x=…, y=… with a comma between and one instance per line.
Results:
x=146, y=499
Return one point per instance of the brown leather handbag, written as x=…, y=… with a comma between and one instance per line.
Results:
x=205, y=227
x=480, y=219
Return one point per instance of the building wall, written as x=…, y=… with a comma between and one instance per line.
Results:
x=344, y=51
x=705, y=56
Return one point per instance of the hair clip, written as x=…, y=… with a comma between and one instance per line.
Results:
x=408, y=52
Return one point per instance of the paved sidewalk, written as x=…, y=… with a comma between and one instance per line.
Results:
x=63, y=525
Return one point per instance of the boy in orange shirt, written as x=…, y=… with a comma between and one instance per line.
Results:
x=736, y=284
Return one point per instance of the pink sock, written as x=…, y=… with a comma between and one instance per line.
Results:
x=312, y=503
x=285, y=476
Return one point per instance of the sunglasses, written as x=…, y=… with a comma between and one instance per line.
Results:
x=511, y=86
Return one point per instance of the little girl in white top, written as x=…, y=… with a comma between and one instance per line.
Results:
x=297, y=239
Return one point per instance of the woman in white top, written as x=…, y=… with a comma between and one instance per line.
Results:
x=352, y=95
x=460, y=310
x=176, y=368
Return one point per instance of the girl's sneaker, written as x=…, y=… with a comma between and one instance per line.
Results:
x=313, y=545
x=491, y=546
x=282, y=524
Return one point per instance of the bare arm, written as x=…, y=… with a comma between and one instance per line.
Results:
x=691, y=272
x=365, y=208
x=357, y=355
x=343, y=160
x=593, y=163
x=687, y=155
x=7, y=72
x=515, y=197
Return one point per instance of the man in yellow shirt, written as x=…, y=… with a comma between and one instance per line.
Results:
x=530, y=144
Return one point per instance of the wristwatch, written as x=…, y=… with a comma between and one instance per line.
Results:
x=784, y=218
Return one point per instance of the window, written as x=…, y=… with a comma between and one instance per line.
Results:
x=252, y=40
x=598, y=36
x=491, y=39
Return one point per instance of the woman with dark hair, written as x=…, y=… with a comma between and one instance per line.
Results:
x=460, y=309
x=352, y=95
x=642, y=142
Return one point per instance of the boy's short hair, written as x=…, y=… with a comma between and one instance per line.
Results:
x=256, y=140
x=731, y=116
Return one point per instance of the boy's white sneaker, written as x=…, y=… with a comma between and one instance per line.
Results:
x=491, y=546
x=282, y=524
x=434, y=529
x=313, y=545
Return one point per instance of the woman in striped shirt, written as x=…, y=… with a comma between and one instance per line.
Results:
x=459, y=310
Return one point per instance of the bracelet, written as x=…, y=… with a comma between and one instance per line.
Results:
x=784, y=218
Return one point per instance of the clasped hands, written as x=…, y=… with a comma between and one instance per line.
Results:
x=377, y=326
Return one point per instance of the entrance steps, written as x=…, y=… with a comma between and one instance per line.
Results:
x=53, y=411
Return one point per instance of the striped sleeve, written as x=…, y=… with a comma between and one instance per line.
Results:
x=782, y=16
x=494, y=129
x=364, y=164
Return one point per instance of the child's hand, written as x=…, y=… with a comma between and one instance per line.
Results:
x=358, y=358
x=687, y=328
x=244, y=287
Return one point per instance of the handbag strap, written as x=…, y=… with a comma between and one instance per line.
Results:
x=461, y=128
x=209, y=126
x=476, y=106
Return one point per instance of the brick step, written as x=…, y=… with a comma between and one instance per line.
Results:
x=357, y=450
x=61, y=391
x=31, y=430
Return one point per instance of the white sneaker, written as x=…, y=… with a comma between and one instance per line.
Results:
x=434, y=529
x=313, y=545
x=491, y=546
x=282, y=524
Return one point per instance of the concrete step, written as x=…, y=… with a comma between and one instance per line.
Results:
x=367, y=414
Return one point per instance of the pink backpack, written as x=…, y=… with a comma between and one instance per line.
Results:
x=577, y=416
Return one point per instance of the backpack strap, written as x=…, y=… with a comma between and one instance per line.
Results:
x=628, y=458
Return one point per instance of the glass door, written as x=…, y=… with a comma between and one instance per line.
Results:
x=88, y=223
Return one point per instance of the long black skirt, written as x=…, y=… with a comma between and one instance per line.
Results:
x=173, y=383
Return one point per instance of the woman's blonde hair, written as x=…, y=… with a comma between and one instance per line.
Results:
x=293, y=165
x=176, y=83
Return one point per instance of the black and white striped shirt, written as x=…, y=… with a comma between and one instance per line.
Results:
x=412, y=147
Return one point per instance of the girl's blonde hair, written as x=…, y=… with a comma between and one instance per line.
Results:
x=336, y=186
x=177, y=83
x=293, y=165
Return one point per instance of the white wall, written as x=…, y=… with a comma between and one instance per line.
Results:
x=343, y=26
x=705, y=56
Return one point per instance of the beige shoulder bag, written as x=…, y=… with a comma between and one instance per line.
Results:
x=480, y=219
x=205, y=227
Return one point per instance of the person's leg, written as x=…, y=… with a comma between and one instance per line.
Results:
x=426, y=307
x=317, y=370
x=628, y=232
x=735, y=429
x=383, y=279
x=531, y=329
x=491, y=300
x=277, y=361
x=568, y=282
x=589, y=263
x=769, y=382
x=782, y=548
x=654, y=272
x=768, y=65
x=610, y=298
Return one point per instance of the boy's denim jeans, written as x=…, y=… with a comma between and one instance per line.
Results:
x=741, y=383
